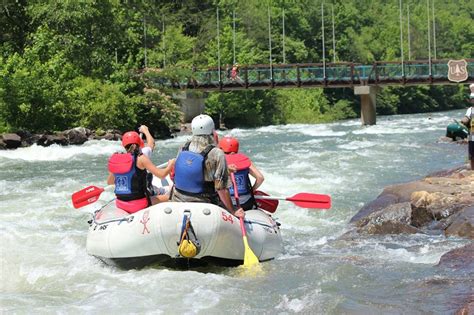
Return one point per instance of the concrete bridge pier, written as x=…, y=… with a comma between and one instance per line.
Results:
x=192, y=103
x=368, y=95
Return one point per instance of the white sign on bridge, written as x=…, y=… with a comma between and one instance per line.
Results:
x=457, y=70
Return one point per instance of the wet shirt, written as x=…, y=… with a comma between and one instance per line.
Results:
x=215, y=171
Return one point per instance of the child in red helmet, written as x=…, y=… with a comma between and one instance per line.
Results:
x=128, y=172
x=246, y=190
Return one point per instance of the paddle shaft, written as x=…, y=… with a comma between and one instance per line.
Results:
x=250, y=259
x=270, y=198
x=304, y=200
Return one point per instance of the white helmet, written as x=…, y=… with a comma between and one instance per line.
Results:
x=202, y=125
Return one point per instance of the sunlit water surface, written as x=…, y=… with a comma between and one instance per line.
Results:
x=45, y=268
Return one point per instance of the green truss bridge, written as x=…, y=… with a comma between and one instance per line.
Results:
x=364, y=79
x=334, y=75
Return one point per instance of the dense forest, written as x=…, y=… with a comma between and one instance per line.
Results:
x=69, y=63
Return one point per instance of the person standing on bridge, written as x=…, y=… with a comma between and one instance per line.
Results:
x=468, y=121
x=234, y=73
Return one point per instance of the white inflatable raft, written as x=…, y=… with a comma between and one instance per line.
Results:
x=151, y=236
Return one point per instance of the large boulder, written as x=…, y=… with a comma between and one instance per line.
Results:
x=11, y=140
x=77, y=135
x=440, y=203
x=394, y=219
x=461, y=261
x=47, y=140
x=108, y=135
x=460, y=258
x=461, y=224
x=27, y=138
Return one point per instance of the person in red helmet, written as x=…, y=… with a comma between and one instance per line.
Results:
x=128, y=172
x=246, y=190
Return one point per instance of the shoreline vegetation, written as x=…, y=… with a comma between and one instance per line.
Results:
x=74, y=136
x=67, y=64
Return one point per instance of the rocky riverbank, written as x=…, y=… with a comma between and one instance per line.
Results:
x=441, y=203
x=73, y=136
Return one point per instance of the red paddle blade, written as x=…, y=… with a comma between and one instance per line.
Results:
x=312, y=201
x=266, y=204
x=241, y=161
x=86, y=196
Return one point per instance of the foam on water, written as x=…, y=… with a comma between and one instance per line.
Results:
x=47, y=269
x=59, y=153
x=310, y=301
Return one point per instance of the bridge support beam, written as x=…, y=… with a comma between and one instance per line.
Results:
x=368, y=95
x=192, y=103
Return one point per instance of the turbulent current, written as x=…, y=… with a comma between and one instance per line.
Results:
x=45, y=268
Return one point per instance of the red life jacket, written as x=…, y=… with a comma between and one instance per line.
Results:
x=130, y=182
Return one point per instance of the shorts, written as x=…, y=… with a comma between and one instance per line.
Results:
x=132, y=206
x=471, y=150
x=159, y=191
x=249, y=204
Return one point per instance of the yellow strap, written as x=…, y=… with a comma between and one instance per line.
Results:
x=185, y=232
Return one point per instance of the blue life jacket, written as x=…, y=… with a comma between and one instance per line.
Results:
x=130, y=181
x=242, y=181
x=189, y=172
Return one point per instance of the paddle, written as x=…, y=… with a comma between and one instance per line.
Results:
x=304, y=200
x=241, y=161
x=268, y=205
x=86, y=196
x=250, y=258
x=91, y=194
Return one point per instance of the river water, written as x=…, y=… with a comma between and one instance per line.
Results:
x=45, y=268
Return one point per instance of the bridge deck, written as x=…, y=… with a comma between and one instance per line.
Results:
x=311, y=75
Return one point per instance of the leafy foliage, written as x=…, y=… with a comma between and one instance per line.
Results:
x=78, y=63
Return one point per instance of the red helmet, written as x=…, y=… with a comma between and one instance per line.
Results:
x=131, y=137
x=229, y=144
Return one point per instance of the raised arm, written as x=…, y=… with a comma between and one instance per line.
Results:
x=150, y=141
x=145, y=163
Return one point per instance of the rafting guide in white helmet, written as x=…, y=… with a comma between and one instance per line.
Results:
x=202, y=125
x=201, y=173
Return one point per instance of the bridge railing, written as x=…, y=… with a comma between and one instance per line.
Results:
x=297, y=75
